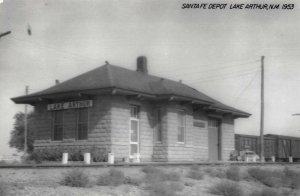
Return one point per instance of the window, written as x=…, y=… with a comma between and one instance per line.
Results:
x=213, y=123
x=134, y=130
x=70, y=124
x=134, y=111
x=180, y=126
x=58, y=125
x=159, y=126
x=82, y=124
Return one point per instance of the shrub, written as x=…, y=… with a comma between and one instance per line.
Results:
x=161, y=183
x=132, y=181
x=233, y=173
x=265, y=192
x=99, y=154
x=75, y=155
x=150, y=169
x=226, y=188
x=160, y=175
x=54, y=154
x=171, y=176
x=195, y=167
x=112, y=178
x=195, y=174
x=36, y=157
x=75, y=178
x=291, y=178
x=3, y=189
x=215, y=172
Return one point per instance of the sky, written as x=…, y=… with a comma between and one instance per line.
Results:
x=216, y=51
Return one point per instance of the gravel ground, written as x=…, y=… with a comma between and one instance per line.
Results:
x=45, y=182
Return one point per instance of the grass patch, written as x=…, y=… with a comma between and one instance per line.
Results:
x=215, y=172
x=3, y=189
x=233, y=173
x=265, y=192
x=165, y=188
x=195, y=173
x=132, y=181
x=154, y=174
x=226, y=188
x=114, y=177
x=150, y=169
x=270, y=178
x=75, y=178
x=195, y=167
x=161, y=183
x=291, y=178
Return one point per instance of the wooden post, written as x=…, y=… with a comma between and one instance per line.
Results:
x=25, y=123
x=262, y=157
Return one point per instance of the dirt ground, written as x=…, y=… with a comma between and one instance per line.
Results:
x=37, y=182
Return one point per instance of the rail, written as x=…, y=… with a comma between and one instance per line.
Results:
x=121, y=164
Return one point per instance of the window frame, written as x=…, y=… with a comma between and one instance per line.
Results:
x=137, y=119
x=159, y=128
x=79, y=123
x=54, y=124
x=183, y=126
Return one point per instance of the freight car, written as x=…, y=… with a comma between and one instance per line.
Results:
x=279, y=146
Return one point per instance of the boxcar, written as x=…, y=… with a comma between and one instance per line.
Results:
x=279, y=146
x=285, y=146
x=269, y=147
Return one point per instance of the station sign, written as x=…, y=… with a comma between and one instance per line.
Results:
x=70, y=105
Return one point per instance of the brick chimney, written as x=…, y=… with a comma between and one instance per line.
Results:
x=142, y=65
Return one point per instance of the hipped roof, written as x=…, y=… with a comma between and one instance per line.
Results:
x=114, y=77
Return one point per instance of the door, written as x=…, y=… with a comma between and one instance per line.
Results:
x=214, y=140
x=134, y=136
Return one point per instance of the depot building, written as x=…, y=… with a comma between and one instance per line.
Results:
x=129, y=113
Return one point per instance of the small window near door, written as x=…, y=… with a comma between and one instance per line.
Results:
x=58, y=125
x=181, y=126
x=159, y=126
x=82, y=125
x=134, y=111
x=213, y=123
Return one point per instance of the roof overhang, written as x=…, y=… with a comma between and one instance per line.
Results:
x=39, y=97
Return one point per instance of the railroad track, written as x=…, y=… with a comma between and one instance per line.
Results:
x=70, y=165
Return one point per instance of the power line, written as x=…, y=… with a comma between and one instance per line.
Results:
x=222, y=67
x=227, y=77
x=51, y=48
x=231, y=62
x=242, y=92
x=211, y=76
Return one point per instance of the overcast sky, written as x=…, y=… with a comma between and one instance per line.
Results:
x=214, y=51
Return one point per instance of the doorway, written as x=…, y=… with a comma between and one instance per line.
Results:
x=214, y=142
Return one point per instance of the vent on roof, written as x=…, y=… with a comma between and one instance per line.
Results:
x=142, y=65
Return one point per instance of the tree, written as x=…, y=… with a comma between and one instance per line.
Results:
x=17, y=134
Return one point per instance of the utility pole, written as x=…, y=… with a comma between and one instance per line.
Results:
x=262, y=157
x=25, y=123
